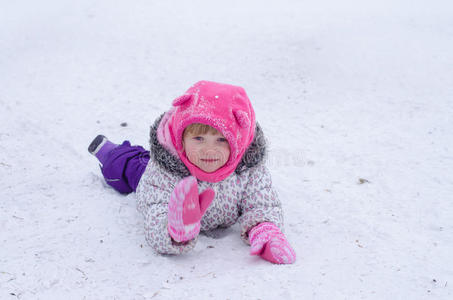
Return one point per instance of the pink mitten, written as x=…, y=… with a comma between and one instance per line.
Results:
x=186, y=208
x=270, y=243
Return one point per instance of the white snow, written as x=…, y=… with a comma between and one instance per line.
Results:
x=344, y=90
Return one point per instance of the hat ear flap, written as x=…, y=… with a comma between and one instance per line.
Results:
x=181, y=100
x=242, y=118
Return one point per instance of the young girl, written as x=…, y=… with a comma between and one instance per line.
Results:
x=208, y=141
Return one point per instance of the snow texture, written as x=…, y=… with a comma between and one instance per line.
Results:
x=355, y=97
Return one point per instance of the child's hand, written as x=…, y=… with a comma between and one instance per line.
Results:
x=186, y=208
x=270, y=243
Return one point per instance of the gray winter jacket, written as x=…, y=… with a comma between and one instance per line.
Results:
x=246, y=195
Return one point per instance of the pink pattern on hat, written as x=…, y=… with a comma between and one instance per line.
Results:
x=224, y=107
x=163, y=133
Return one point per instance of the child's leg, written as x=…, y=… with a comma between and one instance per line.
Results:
x=123, y=165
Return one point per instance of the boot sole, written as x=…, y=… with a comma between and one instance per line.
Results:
x=97, y=144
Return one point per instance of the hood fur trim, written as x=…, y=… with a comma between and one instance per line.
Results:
x=255, y=153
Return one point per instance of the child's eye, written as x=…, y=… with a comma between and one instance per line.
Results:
x=222, y=140
x=198, y=138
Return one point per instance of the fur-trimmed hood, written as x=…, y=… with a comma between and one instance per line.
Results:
x=255, y=153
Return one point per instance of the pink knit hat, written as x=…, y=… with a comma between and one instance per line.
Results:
x=222, y=106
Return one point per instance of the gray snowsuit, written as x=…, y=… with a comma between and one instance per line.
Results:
x=246, y=196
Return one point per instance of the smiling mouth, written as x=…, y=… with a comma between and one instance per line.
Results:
x=209, y=160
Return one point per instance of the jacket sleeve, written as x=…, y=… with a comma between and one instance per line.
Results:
x=260, y=202
x=153, y=193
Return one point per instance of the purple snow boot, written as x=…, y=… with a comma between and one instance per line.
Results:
x=101, y=147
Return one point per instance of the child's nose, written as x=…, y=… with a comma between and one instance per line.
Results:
x=211, y=151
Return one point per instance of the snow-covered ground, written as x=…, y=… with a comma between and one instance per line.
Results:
x=344, y=90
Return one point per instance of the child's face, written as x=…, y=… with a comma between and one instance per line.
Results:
x=208, y=152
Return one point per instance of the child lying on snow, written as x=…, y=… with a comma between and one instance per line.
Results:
x=208, y=141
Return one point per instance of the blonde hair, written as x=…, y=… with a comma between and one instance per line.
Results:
x=198, y=128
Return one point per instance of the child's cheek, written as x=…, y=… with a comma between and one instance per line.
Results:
x=192, y=155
